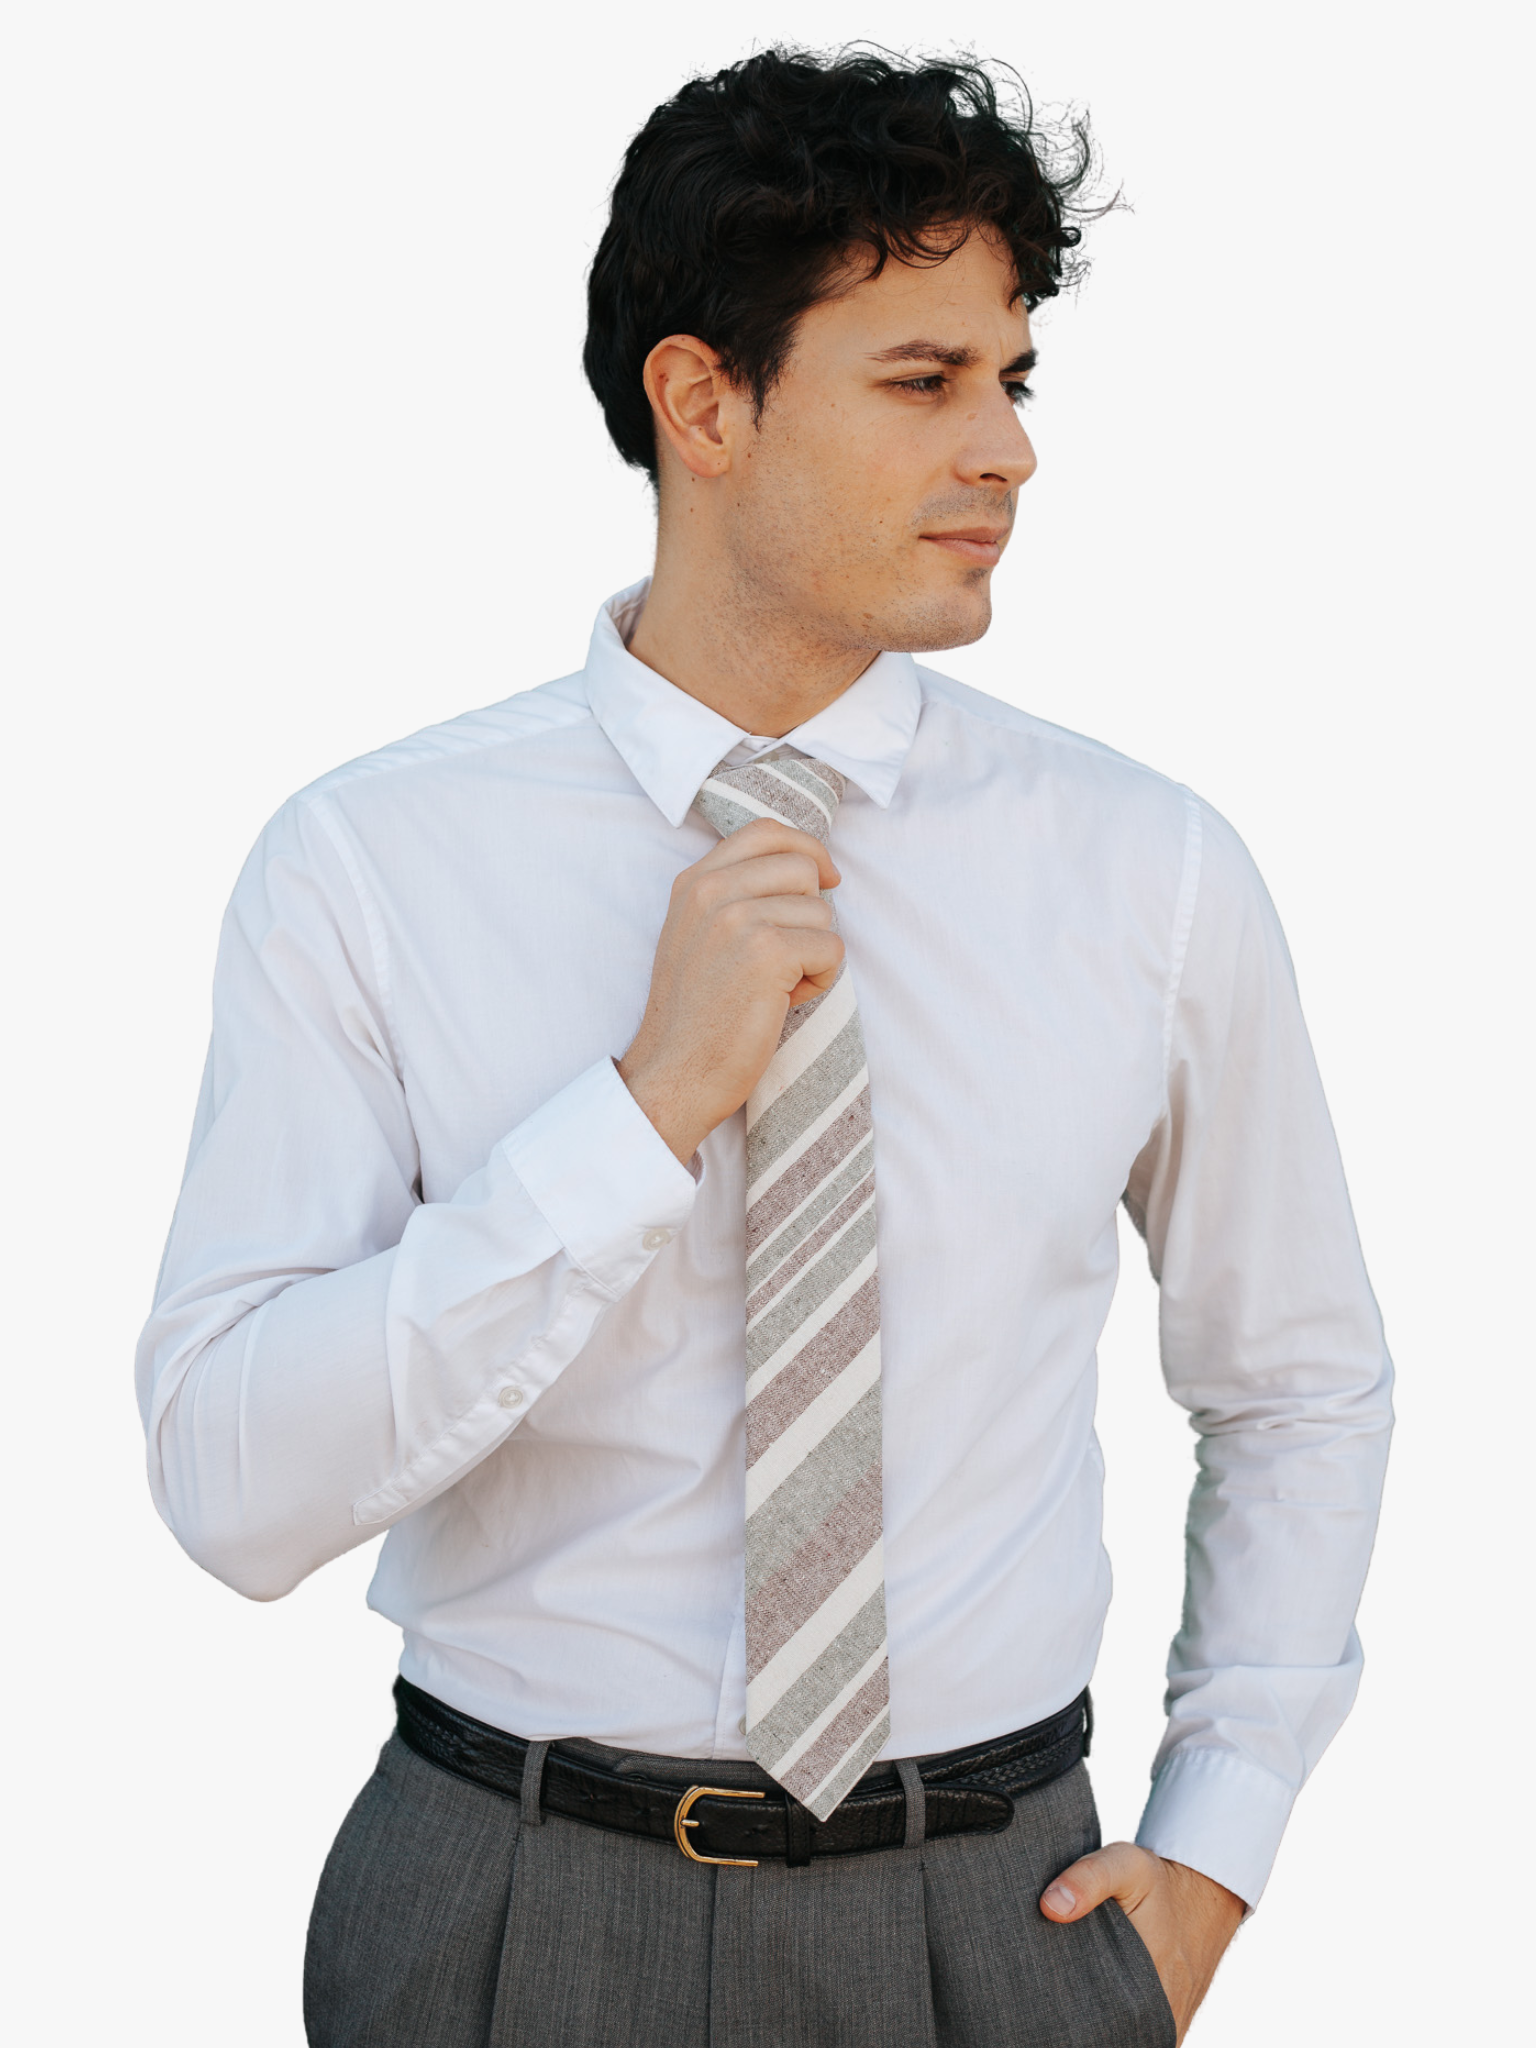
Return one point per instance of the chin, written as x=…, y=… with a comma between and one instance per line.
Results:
x=914, y=624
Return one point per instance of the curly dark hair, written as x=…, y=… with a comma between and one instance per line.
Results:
x=741, y=196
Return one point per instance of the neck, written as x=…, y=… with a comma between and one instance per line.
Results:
x=757, y=660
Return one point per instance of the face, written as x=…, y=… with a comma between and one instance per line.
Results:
x=875, y=497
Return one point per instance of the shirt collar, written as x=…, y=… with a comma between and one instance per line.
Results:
x=670, y=741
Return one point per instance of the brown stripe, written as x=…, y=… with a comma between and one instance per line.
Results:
x=807, y=1249
x=840, y=1735
x=780, y=1126
x=792, y=1318
x=784, y=1603
x=791, y=1391
x=802, y=1501
x=821, y=1685
x=824, y=1800
x=807, y=1173
x=821, y=1201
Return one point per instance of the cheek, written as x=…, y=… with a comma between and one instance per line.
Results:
x=887, y=461
x=835, y=491
x=865, y=473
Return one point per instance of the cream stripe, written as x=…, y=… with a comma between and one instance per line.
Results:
x=821, y=796
x=851, y=1767
x=808, y=1136
x=792, y=1058
x=828, y=1715
x=801, y=1336
x=745, y=802
x=809, y=1267
x=794, y=1658
x=791, y=1217
x=789, y=1451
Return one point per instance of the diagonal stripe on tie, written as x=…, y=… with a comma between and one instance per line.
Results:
x=817, y=1678
x=791, y=1231
x=811, y=1242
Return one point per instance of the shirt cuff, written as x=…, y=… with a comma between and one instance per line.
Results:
x=1220, y=1815
x=602, y=1177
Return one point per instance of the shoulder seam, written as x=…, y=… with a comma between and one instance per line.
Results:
x=433, y=742
x=325, y=816
x=1183, y=921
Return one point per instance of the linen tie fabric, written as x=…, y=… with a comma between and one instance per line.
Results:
x=817, y=1683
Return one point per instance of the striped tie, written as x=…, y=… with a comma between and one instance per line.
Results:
x=817, y=1691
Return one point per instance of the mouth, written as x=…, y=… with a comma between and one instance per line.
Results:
x=983, y=544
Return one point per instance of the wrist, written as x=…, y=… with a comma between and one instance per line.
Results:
x=1206, y=1895
x=676, y=1121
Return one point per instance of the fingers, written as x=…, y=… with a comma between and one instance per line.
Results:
x=788, y=913
x=770, y=874
x=818, y=956
x=768, y=836
x=748, y=931
x=807, y=991
x=1119, y=1871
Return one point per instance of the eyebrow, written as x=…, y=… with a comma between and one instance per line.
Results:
x=952, y=358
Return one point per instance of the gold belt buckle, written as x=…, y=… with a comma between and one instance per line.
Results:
x=680, y=1821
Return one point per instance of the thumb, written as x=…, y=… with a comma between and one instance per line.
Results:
x=1119, y=1871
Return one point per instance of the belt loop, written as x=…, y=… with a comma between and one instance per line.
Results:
x=1087, y=1720
x=917, y=1801
x=533, y=1784
x=797, y=1833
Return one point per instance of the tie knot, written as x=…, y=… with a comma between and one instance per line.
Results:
x=783, y=785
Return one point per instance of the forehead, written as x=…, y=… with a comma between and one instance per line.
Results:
x=967, y=299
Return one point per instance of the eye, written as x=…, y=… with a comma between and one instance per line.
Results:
x=922, y=385
x=1021, y=393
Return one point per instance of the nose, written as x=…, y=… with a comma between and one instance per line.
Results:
x=998, y=451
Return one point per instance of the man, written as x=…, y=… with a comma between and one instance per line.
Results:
x=702, y=1283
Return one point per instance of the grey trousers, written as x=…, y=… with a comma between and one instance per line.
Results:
x=446, y=1919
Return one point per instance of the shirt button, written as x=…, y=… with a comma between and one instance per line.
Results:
x=511, y=1397
x=741, y=1725
x=653, y=1240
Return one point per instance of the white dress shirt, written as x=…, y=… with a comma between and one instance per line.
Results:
x=433, y=1271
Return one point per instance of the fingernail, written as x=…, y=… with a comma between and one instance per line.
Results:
x=1059, y=1899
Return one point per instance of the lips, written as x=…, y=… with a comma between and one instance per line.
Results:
x=972, y=543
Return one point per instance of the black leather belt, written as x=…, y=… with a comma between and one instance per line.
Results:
x=966, y=1791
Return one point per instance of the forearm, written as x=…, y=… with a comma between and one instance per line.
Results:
x=1272, y=1341
x=1266, y=1665
x=327, y=1413
x=290, y=1417
x=266, y=1436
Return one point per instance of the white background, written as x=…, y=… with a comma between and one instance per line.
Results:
x=297, y=457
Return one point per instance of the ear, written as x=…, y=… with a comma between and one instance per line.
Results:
x=691, y=401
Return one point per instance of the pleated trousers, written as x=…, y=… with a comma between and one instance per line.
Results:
x=444, y=1921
